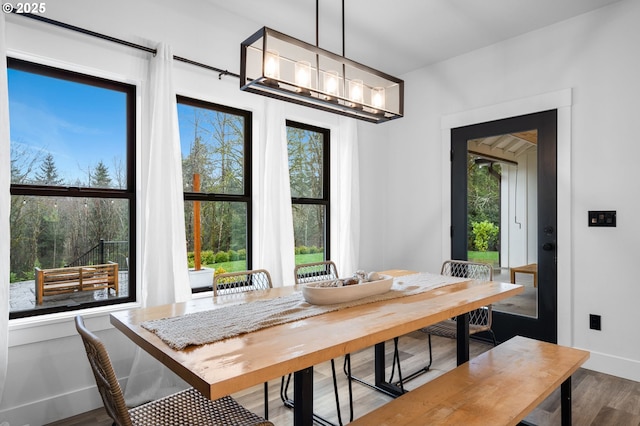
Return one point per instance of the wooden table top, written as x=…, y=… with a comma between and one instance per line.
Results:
x=225, y=367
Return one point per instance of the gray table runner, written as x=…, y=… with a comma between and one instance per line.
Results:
x=217, y=324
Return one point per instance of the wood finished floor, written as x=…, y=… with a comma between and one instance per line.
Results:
x=598, y=399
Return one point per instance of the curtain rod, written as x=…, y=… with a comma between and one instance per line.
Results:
x=41, y=18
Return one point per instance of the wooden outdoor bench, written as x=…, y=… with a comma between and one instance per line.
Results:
x=500, y=387
x=75, y=278
x=525, y=269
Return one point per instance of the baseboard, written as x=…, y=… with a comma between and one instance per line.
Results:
x=616, y=366
x=52, y=409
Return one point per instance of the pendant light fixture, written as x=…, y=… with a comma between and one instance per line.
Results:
x=279, y=66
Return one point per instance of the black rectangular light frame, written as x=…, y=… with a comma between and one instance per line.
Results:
x=254, y=79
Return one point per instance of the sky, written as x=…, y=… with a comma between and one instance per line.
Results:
x=185, y=124
x=78, y=124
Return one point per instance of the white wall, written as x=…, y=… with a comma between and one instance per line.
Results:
x=593, y=55
x=518, y=230
x=401, y=163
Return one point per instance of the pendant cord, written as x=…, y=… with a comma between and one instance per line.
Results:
x=343, y=29
x=317, y=26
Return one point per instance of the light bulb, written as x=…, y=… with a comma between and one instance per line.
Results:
x=303, y=74
x=331, y=83
x=356, y=88
x=377, y=97
x=272, y=64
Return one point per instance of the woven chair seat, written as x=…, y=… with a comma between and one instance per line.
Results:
x=189, y=407
x=448, y=328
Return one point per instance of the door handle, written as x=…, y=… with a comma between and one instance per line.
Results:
x=548, y=246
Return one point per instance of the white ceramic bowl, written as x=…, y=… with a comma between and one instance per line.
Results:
x=318, y=294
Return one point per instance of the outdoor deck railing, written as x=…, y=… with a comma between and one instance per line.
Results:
x=103, y=252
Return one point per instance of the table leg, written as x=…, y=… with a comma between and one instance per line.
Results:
x=462, y=325
x=303, y=397
x=380, y=383
x=565, y=402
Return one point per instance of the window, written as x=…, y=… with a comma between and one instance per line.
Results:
x=215, y=142
x=308, y=148
x=72, y=188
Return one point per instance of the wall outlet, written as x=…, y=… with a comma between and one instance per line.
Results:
x=595, y=322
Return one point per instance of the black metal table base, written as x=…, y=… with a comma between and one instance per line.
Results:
x=381, y=385
x=302, y=388
x=396, y=389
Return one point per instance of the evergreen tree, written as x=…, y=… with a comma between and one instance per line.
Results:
x=48, y=173
x=100, y=176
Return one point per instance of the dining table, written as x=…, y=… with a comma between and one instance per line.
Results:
x=232, y=364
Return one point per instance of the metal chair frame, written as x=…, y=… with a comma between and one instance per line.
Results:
x=479, y=319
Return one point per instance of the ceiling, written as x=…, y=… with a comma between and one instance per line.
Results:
x=404, y=35
x=507, y=147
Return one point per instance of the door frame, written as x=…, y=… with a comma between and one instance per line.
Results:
x=561, y=101
x=542, y=326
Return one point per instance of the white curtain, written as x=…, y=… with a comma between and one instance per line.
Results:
x=5, y=206
x=348, y=206
x=275, y=231
x=164, y=272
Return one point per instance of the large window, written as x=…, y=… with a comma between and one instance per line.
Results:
x=308, y=148
x=215, y=142
x=72, y=189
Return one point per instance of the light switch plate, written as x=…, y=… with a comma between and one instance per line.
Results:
x=602, y=218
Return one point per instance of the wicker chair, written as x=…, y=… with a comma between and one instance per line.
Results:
x=241, y=281
x=237, y=282
x=307, y=273
x=479, y=319
x=317, y=271
x=182, y=408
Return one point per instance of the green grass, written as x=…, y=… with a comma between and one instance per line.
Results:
x=483, y=256
x=309, y=258
x=241, y=265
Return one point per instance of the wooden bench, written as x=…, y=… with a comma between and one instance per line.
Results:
x=500, y=387
x=526, y=269
x=75, y=278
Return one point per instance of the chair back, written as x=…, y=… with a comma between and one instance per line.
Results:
x=106, y=380
x=466, y=269
x=317, y=271
x=241, y=281
x=480, y=319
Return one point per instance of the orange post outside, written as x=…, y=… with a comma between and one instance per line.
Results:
x=196, y=224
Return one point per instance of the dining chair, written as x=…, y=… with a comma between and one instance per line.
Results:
x=307, y=273
x=229, y=283
x=241, y=281
x=182, y=408
x=479, y=319
x=316, y=271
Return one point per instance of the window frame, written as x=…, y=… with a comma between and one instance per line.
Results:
x=128, y=193
x=326, y=181
x=246, y=196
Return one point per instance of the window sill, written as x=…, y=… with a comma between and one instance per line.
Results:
x=25, y=331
